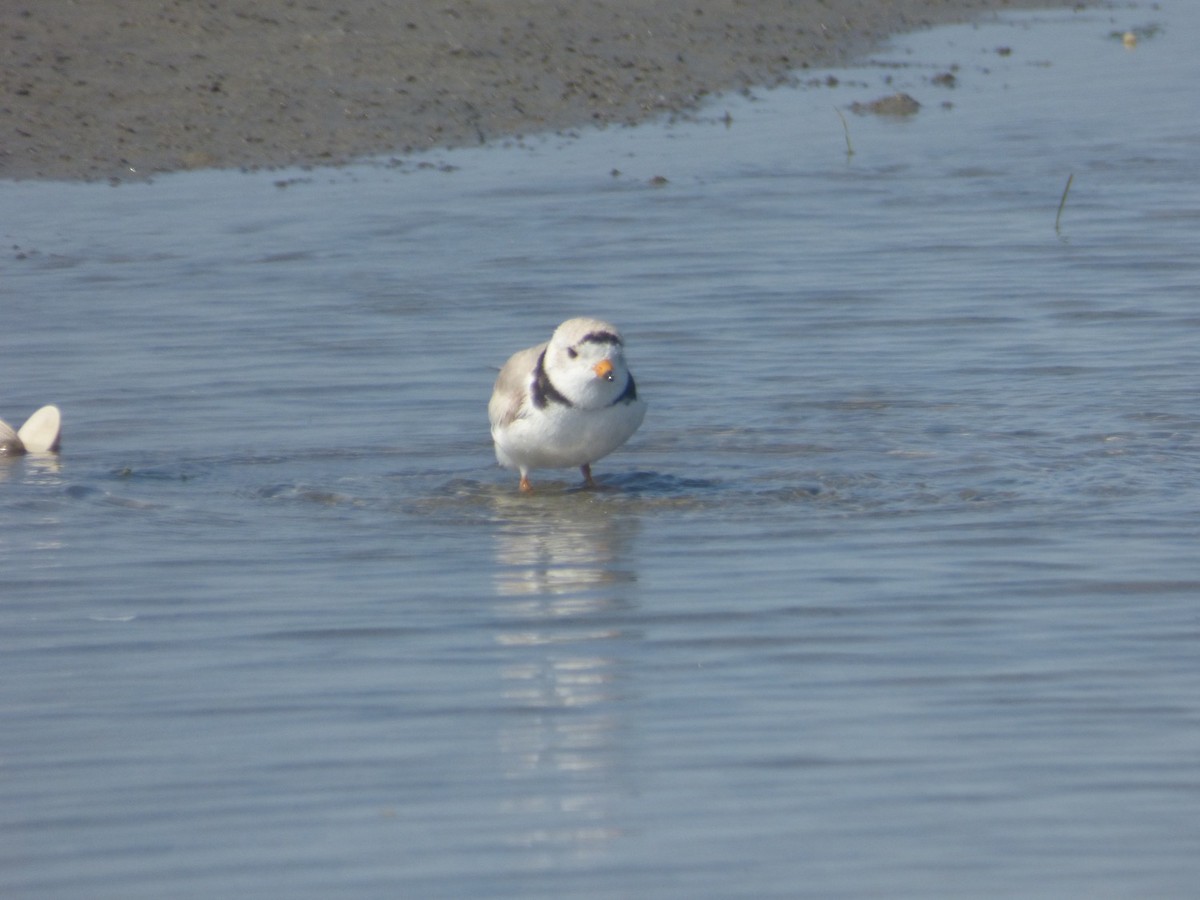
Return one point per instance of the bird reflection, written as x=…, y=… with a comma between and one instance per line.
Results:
x=563, y=581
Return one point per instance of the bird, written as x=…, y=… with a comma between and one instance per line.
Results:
x=41, y=433
x=567, y=402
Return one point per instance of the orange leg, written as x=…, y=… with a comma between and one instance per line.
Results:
x=526, y=487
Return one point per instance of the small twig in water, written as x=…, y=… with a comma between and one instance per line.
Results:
x=1062, y=203
x=845, y=128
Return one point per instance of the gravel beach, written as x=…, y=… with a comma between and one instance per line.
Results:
x=118, y=89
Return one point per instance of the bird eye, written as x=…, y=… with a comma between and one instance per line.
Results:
x=572, y=352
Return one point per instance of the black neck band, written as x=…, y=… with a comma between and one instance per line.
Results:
x=544, y=390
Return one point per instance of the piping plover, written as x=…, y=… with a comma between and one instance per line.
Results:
x=41, y=433
x=567, y=402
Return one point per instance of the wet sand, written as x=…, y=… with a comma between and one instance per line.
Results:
x=124, y=89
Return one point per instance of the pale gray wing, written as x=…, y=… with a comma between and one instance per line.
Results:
x=511, y=393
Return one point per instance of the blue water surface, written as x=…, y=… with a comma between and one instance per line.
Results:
x=895, y=593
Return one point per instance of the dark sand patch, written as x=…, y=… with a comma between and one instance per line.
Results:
x=131, y=88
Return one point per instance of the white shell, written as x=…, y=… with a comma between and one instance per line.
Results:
x=42, y=432
x=10, y=444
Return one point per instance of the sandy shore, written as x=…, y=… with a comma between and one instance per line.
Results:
x=131, y=88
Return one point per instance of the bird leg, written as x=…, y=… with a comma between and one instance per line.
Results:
x=588, y=481
x=526, y=487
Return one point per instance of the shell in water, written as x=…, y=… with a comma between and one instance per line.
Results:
x=41, y=433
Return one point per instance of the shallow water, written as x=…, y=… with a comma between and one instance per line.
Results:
x=894, y=594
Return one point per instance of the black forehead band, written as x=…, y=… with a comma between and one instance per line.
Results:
x=600, y=337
